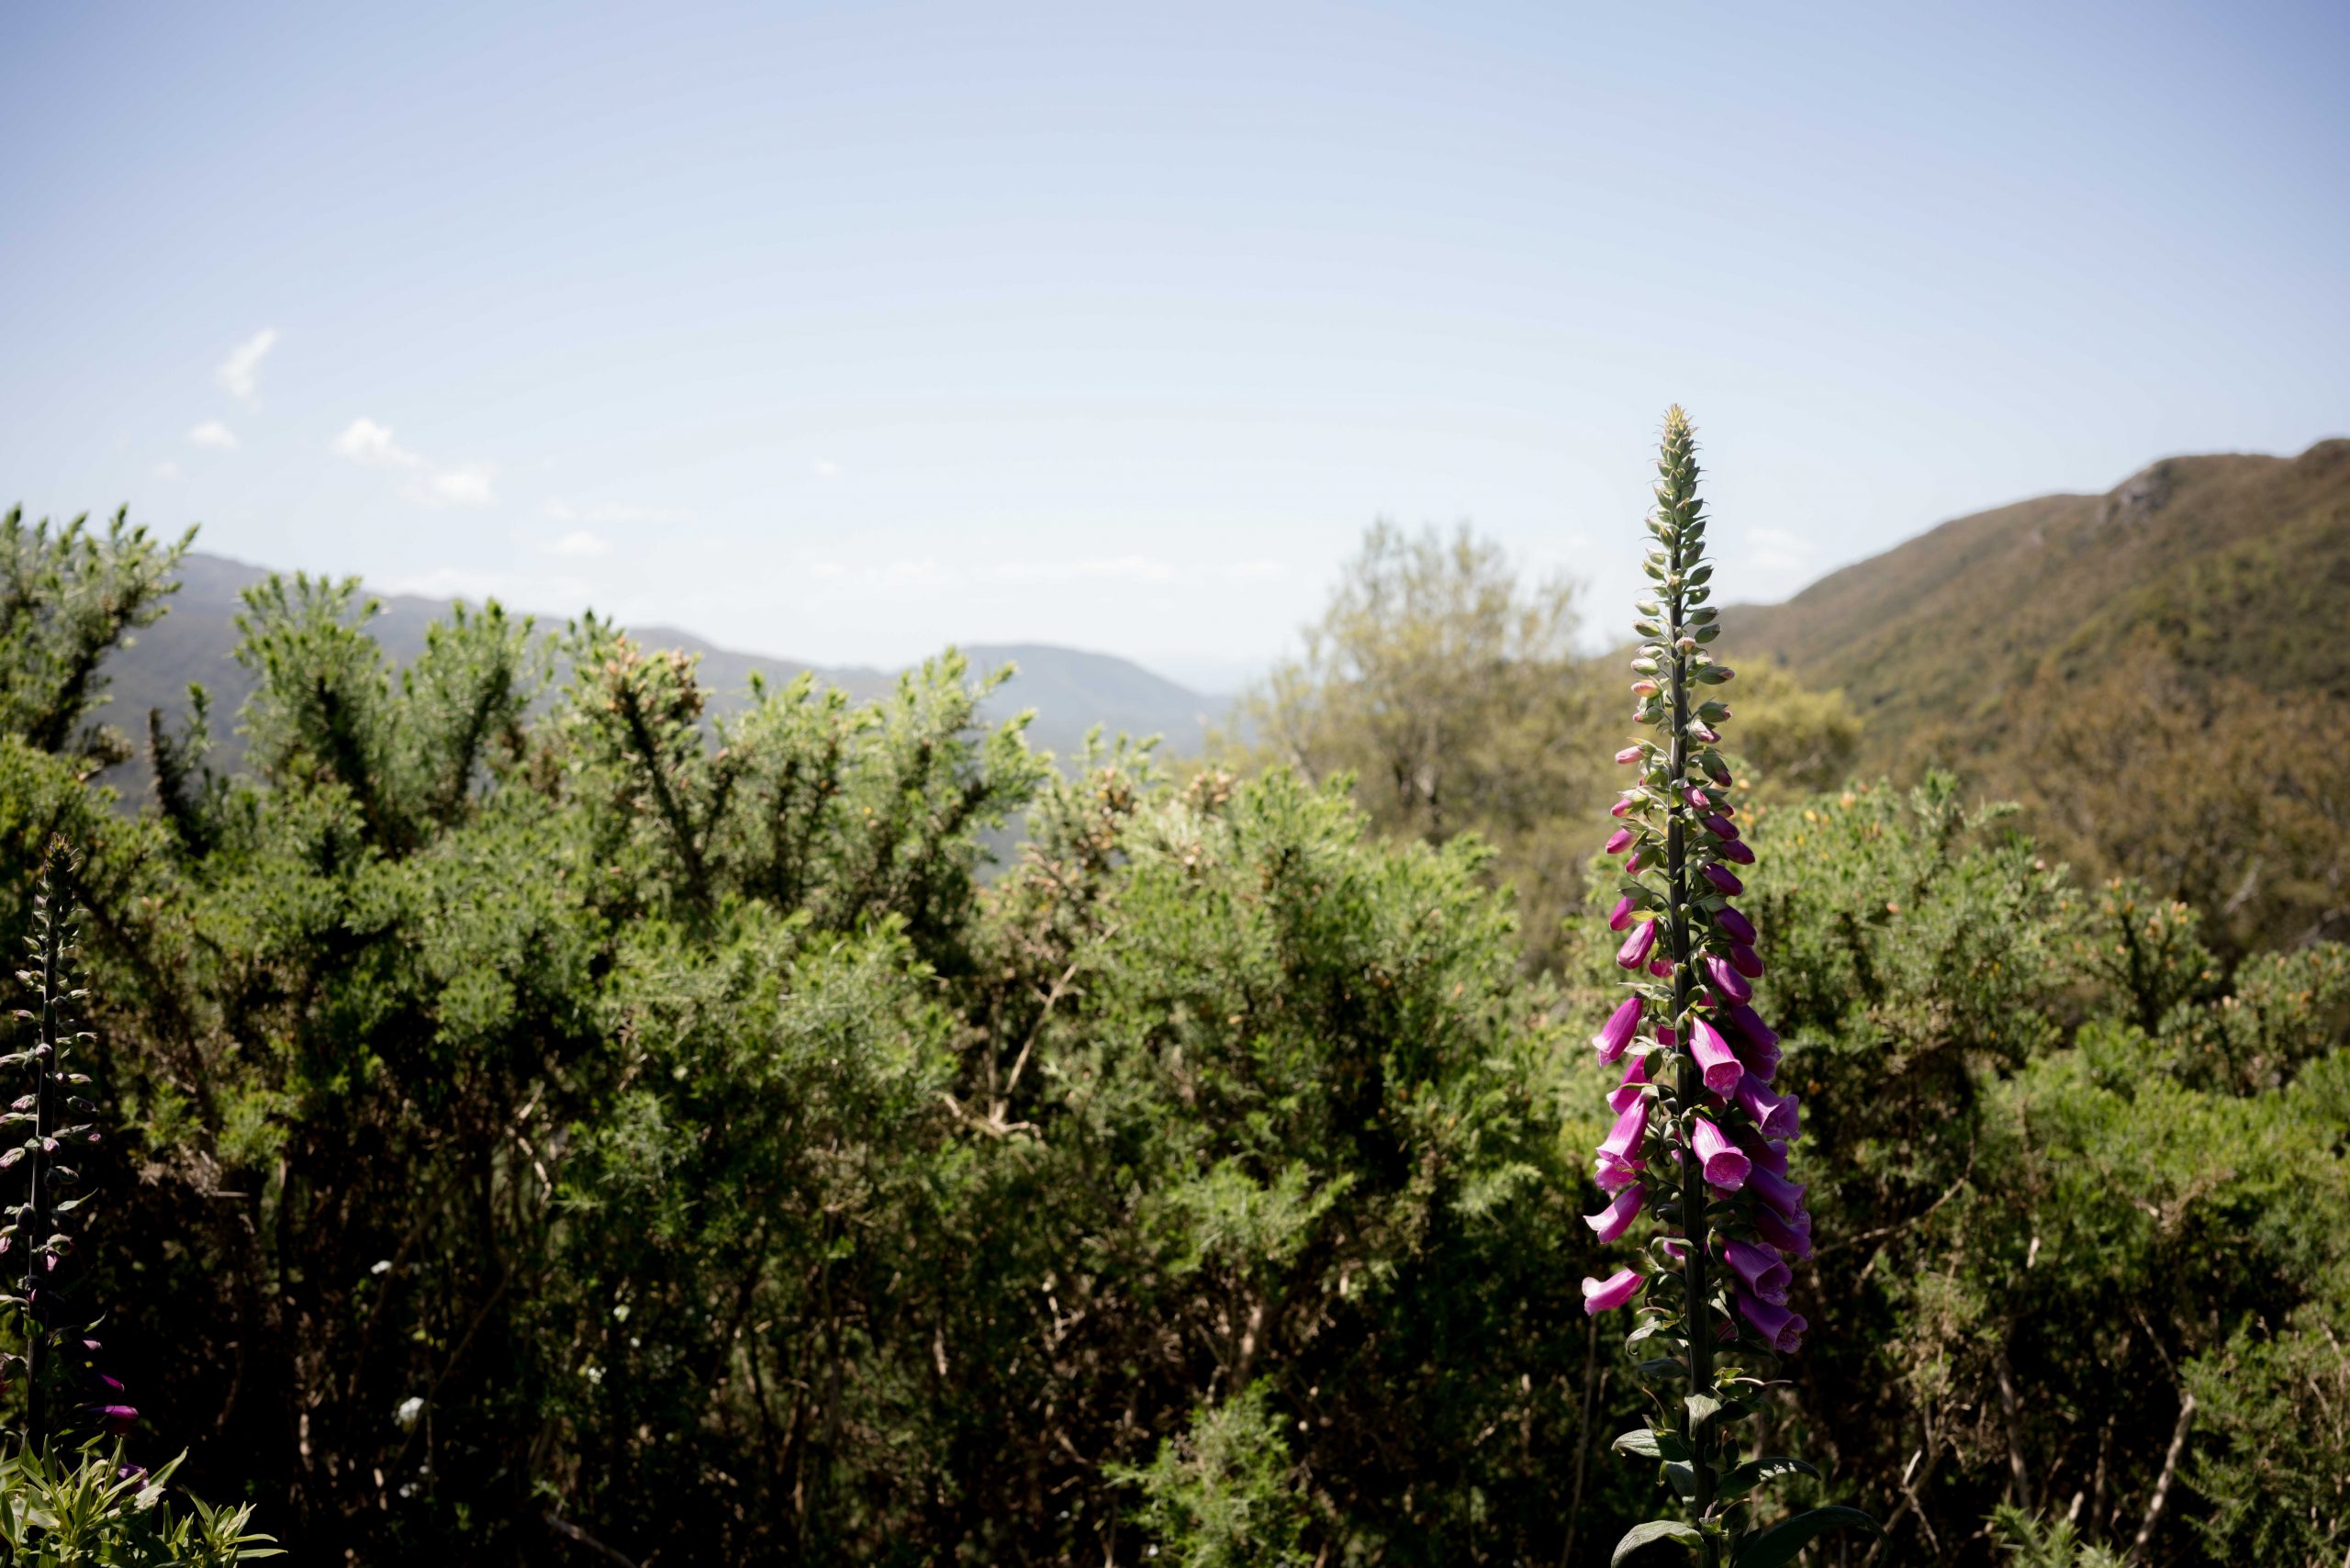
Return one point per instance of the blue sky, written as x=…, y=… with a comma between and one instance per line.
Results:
x=842, y=331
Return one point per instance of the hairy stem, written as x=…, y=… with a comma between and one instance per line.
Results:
x=1696, y=1320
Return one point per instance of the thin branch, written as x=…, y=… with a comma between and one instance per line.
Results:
x=2170, y=1471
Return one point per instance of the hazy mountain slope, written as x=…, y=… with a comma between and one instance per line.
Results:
x=2233, y=564
x=1070, y=689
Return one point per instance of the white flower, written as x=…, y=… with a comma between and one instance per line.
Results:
x=410, y=1408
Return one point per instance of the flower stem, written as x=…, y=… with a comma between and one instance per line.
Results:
x=33, y=1223
x=1695, y=1319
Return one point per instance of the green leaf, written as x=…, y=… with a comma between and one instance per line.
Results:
x=1756, y=1472
x=1779, y=1545
x=1661, y=1366
x=1655, y=1529
x=1649, y=1444
x=1703, y=1407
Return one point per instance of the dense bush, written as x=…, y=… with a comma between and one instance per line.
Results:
x=565, y=1126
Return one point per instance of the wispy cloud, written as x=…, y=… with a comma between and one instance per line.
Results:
x=365, y=441
x=240, y=373
x=214, y=434
x=373, y=445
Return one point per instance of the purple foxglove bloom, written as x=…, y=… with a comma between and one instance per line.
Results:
x=1781, y=1329
x=1622, y=1143
x=1675, y=1248
x=1719, y=771
x=1632, y=864
x=1605, y=1296
x=1740, y=928
x=1745, y=960
x=1750, y=1024
x=1764, y=1274
x=1726, y=1165
x=1700, y=730
x=1795, y=1240
x=1772, y=1116
x=1618, y=1031
x=1736, y=853
x=1622, y=808
x=1612, y=1174
x=1664, y=1036
x=1767, y=1153
x=1626, y=1095
x=1720, y=826
x=1776, y=1191
x=1616, y=1217
x=1636, y=949
x=1727, y=980
x=1621, y=915
x=1719, y=1064
x=1631, y=753
x=119, y=1418
x=1697, y=798
x=1619, y=841
x=1725, y=879
x=1660, y=967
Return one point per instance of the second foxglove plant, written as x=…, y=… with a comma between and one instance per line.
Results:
x=1700, y=1136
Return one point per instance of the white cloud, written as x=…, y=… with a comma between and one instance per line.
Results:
x=372, y=445
x=365, y=441
x=580, y=542
x=214, y=434
x=167, y=470
x=241, y=371
x=824, y=469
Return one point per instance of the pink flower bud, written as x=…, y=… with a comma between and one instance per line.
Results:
x=1619, y=841
x=1726, y=1165
x=1795, y=1240
x=1618, y=1031
x=1630, y=755
x=1726, y=981
x=1776, y=1191
x=1638, y=945
x=1764, y=1274
x=1772, y=1116
x=1780, y=1329
x=1605, y=1296
x=1621, y=915
x=1660, y=967
x=1622, y=1143
x=1622, y=808
x=1627, y=1094
x=1716, y=1060
x=1616, y=1217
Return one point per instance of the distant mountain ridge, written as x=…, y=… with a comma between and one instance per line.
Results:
x=2230, y=565
x=1070, y=689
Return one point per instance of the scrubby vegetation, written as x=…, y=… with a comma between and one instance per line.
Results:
x=559, y=1125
